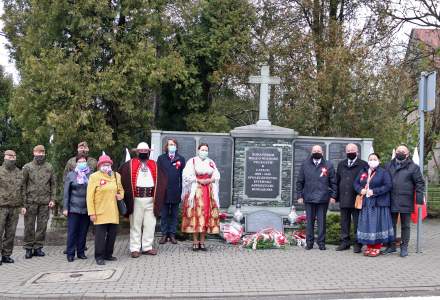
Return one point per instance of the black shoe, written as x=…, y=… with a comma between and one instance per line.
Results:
x=389, y=250
x=7, y=259
x=82, y=256
x=357, y=248
x=28, y=254
x=202, y=247
x=39, y=252
x=100, y=262
x=322, y=247
x=111, y=258
x=403, y=252
x=309, y=247
x=65, y=251
x=195, y=247
x=70, y=258
x=343, y=247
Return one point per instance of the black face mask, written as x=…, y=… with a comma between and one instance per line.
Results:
x=351, y=155
x=400, y=156
x=316, y=155
x=40, y=159
x=9, y=164
x=144, y=156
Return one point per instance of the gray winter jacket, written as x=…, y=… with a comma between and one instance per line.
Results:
x=75, y=195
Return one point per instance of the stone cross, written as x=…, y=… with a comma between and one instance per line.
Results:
x=264, y=80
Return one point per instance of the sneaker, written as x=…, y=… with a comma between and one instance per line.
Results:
x=7, y=259
x=39, y=252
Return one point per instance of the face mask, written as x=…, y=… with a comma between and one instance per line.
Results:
x=10, y=164
x=373, y=164
x=82, y=165
x=106, y=169
x=400, y=156
x=144, y=156
x=83, y=152
x=352, y=155
x=39, y=158
x=203, y=154
x=317, y=155
x=172, y=149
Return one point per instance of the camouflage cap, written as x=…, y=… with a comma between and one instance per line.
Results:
x=10, y=152
x=83, y=144
x=39, y=148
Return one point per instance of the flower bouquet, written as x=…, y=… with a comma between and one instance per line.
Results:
x=265, y=239
x=231, y=232
x=298, y=236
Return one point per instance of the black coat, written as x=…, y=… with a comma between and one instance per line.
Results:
x=316, y=184
x=407, y=180
x=75, y=194
x=345, y=177
x=173, y=172
x=380, y=184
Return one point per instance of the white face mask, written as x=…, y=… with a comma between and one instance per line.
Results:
x=203, y=154
x=373, y=164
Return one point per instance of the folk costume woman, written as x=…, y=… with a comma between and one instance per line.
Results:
x=375, y=225
x=200, y=213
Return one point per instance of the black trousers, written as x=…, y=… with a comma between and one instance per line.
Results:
x=405, y=227
x=318, y=212
x=105, y=237
x=169, y=215
x=77, y=228
x=347, y=215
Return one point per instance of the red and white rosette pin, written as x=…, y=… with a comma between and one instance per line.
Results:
x=324, y=172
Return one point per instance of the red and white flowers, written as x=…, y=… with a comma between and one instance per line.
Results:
x=268, y=238
x=324, y=172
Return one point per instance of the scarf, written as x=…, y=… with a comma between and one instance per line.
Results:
x=81, y=175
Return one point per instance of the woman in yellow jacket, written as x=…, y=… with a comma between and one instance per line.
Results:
x=103, y=190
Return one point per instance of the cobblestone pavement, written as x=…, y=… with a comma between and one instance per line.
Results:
x=227, y=271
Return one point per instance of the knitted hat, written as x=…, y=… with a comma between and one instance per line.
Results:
x=39, y=148
x=104, y=159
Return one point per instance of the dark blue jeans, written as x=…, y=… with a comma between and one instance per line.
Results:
x=77, y=227
x=318, y=212
x=169, y=218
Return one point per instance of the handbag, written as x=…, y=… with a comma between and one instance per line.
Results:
x=122, y=207
x=360, y=198
x=359, y=201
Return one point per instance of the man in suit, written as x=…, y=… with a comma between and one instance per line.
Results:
x=171, y=163
x=316, y=187
x=346, y=174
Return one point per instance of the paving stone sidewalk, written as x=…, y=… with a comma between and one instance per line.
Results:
x=226, y=271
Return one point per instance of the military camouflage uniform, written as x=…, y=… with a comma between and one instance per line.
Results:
x=39, y=189
x=71, y=165
x=11, y=200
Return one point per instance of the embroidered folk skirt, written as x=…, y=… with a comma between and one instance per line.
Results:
x=375, y=224
x=204, y=215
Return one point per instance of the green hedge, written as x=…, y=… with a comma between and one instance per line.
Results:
x=434, y=201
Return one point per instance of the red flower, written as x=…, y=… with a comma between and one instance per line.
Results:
x=222, y=216
x=178, y=164
x=364, y=176
x=102, y=182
